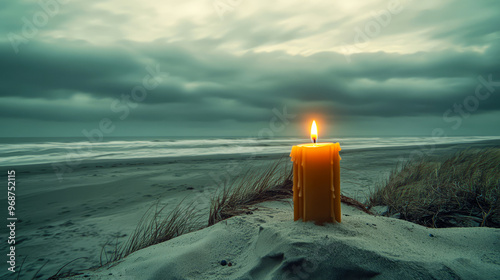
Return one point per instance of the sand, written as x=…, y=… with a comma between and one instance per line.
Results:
x=102, y=201
x=268, y=244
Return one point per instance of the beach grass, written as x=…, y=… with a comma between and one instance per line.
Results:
x=154, y=227
x=254, y=186
x=461, y=190
x=272, y=183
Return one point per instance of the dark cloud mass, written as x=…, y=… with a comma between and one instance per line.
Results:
x=224, y=76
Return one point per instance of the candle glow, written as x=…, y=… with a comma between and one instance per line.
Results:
x=314, y=132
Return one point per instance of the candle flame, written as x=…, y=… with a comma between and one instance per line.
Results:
x=314, y=132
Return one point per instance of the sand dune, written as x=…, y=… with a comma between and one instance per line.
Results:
x=268, y=244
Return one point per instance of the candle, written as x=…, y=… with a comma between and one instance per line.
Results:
x=316, y=181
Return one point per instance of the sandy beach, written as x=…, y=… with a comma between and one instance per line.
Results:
x=268, y=244
x=102, y=201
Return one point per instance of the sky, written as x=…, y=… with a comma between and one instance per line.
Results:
x=249, y=68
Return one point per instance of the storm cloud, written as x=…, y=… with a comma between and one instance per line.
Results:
x=222, y=71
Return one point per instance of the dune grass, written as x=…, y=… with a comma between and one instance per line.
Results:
x=154, y=227
x=272, y=183
x=458, y=190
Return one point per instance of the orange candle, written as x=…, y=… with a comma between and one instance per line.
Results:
x=316, y=181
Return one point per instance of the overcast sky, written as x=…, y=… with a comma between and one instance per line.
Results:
x=226, y=67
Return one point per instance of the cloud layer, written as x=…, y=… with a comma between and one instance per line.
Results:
x=228, y=67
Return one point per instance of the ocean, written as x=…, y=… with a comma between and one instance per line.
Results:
x=27, y=151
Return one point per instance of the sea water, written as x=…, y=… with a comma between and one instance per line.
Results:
x=26, y=151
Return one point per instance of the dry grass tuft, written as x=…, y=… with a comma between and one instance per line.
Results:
x=273, y=183
x=458, y=190
x=155, y=227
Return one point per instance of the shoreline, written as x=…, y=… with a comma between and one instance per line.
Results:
x=175, y=159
